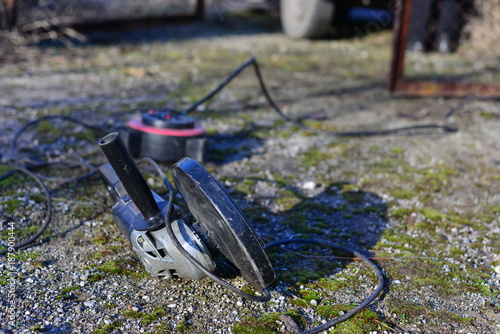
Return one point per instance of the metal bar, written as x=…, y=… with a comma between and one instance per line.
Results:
x=446, y=89
x=401, y=28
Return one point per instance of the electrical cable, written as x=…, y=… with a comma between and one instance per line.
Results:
x=47, y=218
x=33, y=164
x=447, y=127
x=363, y=304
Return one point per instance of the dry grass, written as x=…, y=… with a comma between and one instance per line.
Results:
x=483, y=29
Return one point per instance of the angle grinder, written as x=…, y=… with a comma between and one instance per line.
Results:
x=171, y=243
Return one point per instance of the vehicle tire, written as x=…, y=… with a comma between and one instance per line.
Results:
x=306, y=18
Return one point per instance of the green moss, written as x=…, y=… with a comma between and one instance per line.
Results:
x=412, y=313
x=309, y=295
x=162, y=329
x=14, y=179
x=402, y=193
x=364, y=321
x=115, y=267
x=37, y=328
x=265, y=324
x=110, y=328
x=456, y=251
x=100, y=239
x=301, y=222
x=400, y=213
x=431, y=214
x=146, y=317
x=330, y=284
x=22, y=232
x=66, y=293
x=112, y=267
x=96, y=277
x=320, y=125
x=133, y=314
x=287, y=202
x=47, y=127
x=298, y=277
x=11, y=205
x=312, y=157
x=246, y=187
x=84, y=212
x=486, y=114
x=100, y=254
x=27, y=256
x=109, y=305
x=256, y=214
x=182, y=328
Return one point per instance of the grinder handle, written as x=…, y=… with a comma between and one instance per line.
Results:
x=122, y=162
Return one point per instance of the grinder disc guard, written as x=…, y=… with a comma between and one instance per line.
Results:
x=227, y=227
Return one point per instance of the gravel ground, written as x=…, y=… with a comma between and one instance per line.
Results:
x=425, y=203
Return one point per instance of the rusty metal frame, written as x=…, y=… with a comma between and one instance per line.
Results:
x=117, y=24
x=398, y=85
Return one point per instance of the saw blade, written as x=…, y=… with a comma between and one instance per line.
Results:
x=227, y=226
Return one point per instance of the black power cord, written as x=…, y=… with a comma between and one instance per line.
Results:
x=12, y=245
x=447, y=127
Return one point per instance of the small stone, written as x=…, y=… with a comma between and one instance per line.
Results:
x=89, y=303
x=497, y=269
x=309, y=185
x=132, y=307
x=172, y=305
x=313, y=302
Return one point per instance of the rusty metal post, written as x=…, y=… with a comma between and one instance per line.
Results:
x=401, y=28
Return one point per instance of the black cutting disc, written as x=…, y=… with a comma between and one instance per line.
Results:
x=227, y=227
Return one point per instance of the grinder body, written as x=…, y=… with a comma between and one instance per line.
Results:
x=140, y=214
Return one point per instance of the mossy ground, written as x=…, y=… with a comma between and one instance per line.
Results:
x=424, y=204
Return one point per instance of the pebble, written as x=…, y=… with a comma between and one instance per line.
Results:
x=309, y=185
x=89, y=303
